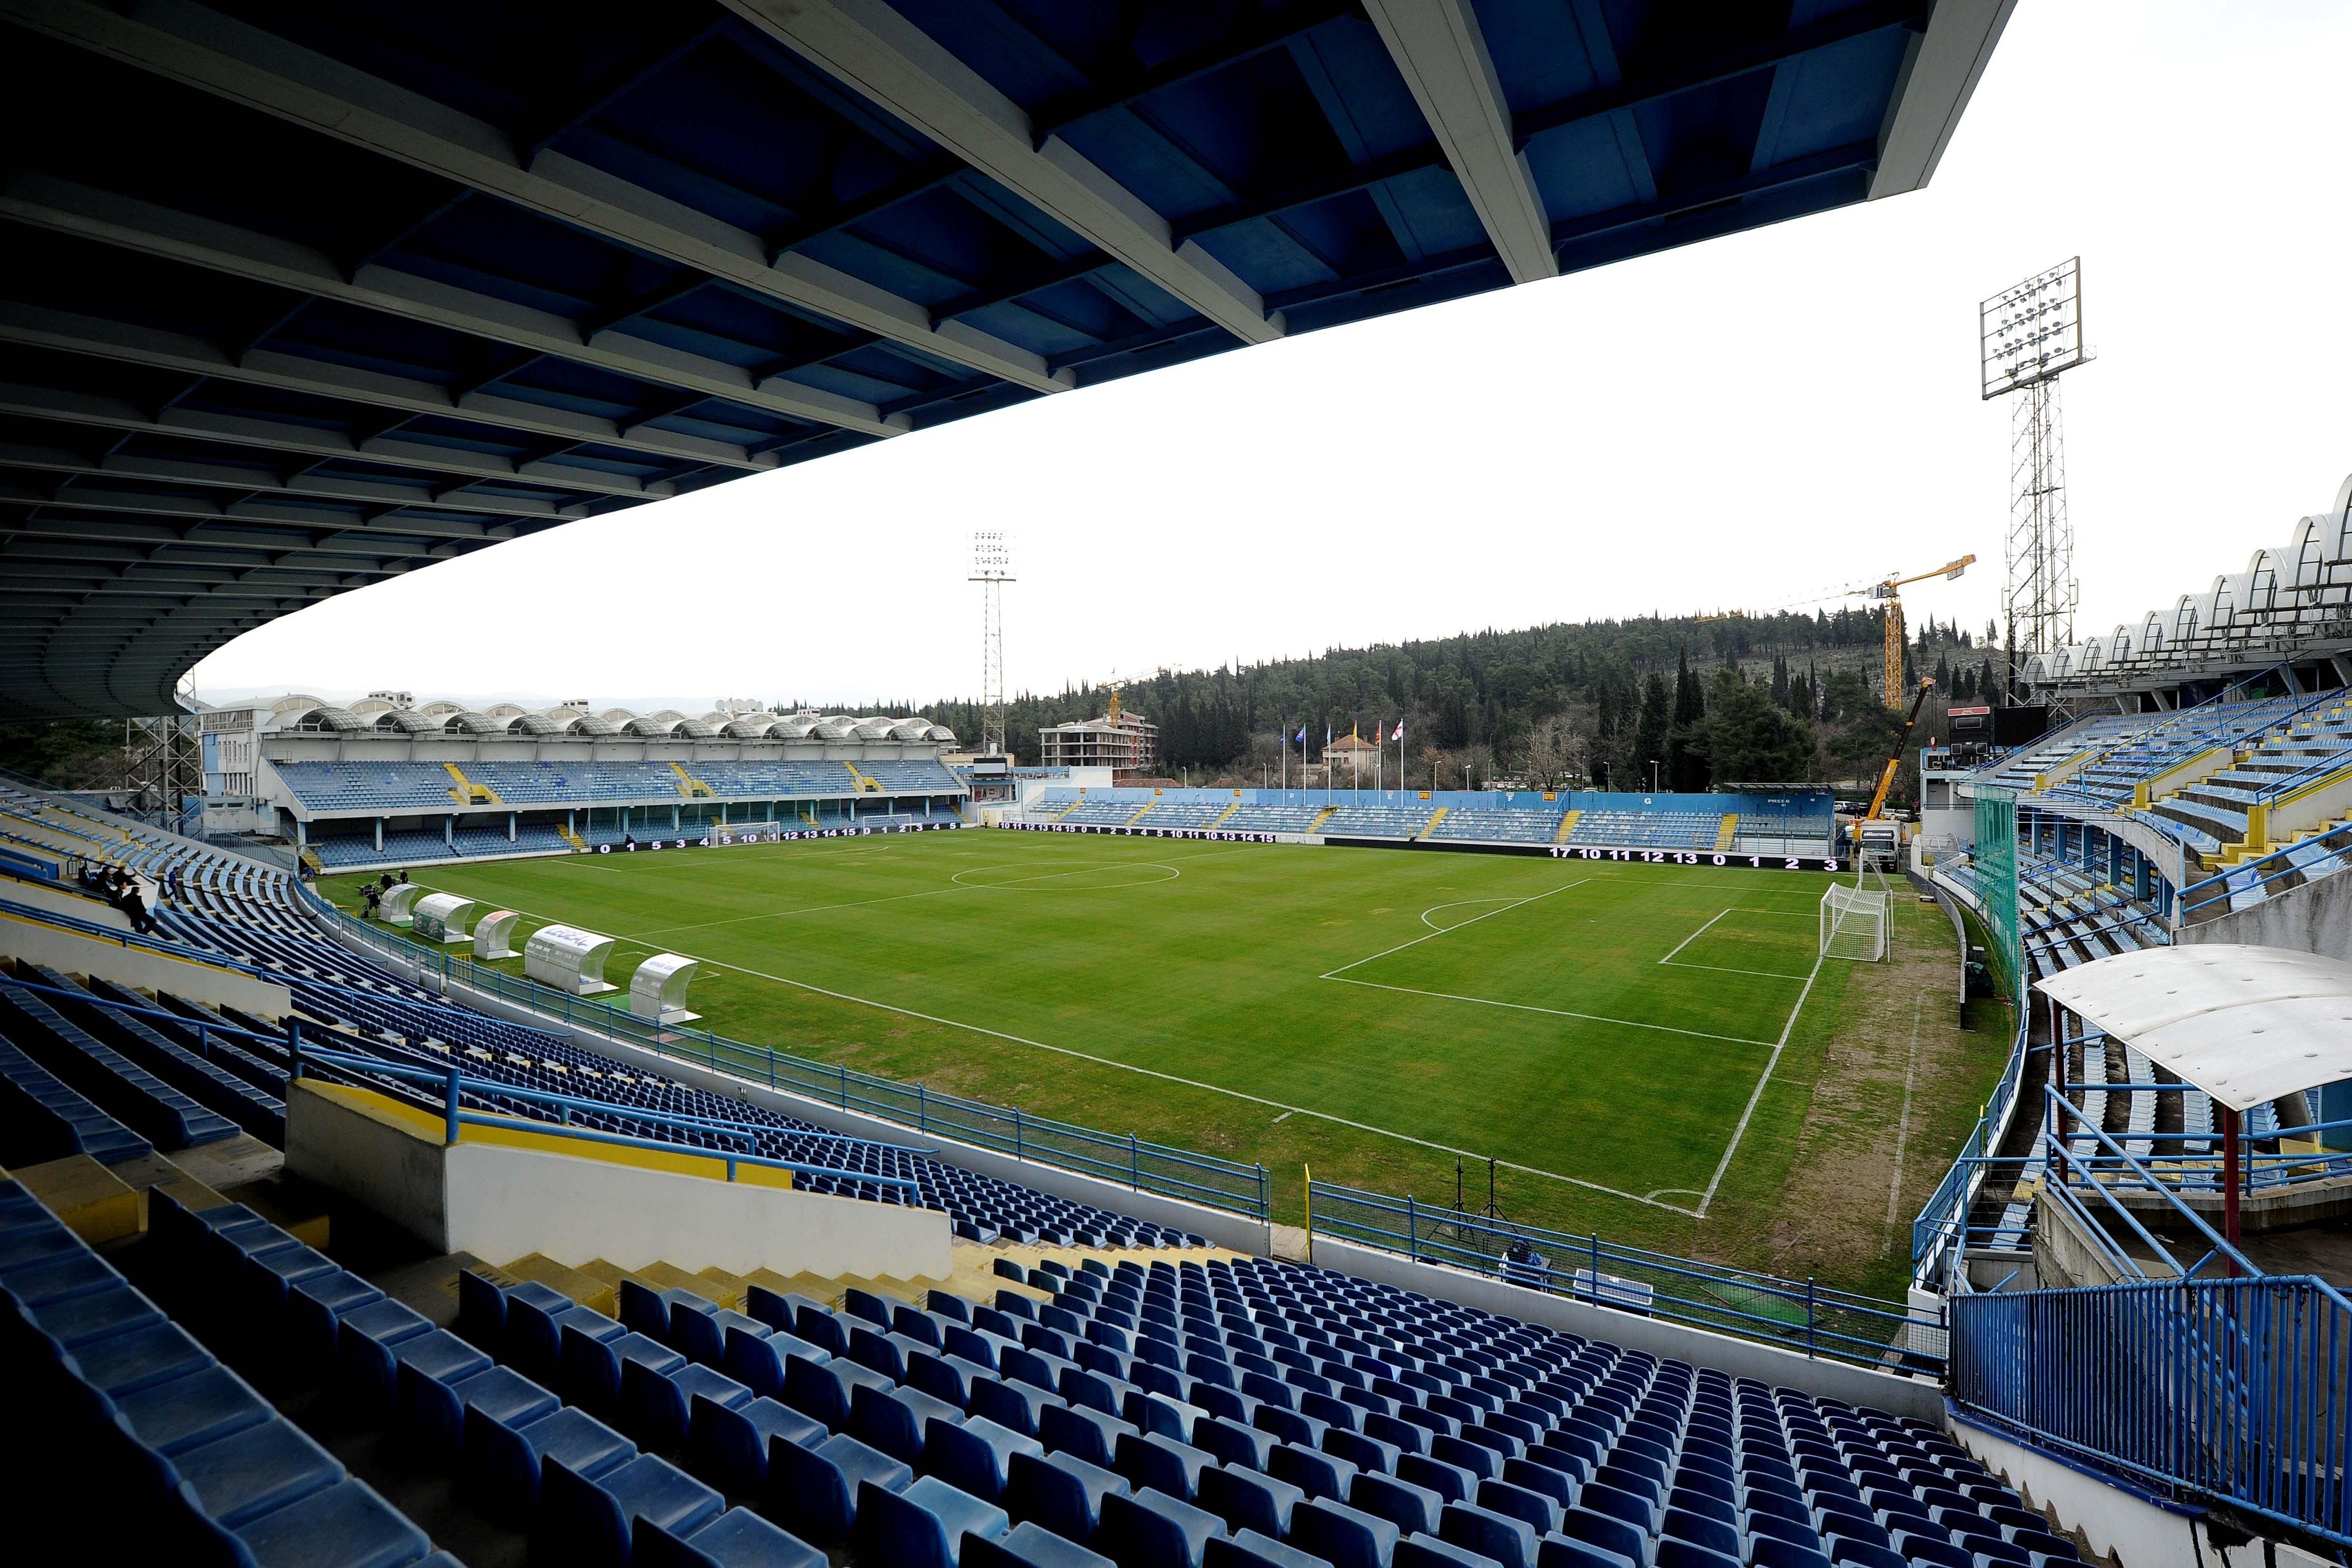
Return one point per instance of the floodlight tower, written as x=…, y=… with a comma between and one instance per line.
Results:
x=991, y=568
x=2027, y=336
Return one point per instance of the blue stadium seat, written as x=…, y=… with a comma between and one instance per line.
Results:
x=1061, y=1493
x=502, y=1461
x=976, y=1456
x=594, y=1522
x=1152, y=1530
x=736, y=1538
x=727, y=1444
x=1343, y=1536
x=1509, y=1542
x=813, y=1492
x=1029, y=1546
x=922, y=1526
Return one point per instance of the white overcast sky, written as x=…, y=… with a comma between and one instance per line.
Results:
x=1741, y=422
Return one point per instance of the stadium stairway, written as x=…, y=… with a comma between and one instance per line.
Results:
x=864, y=785
x=1139, y=815
x=571, y=837
x=1434, y=818
x=1566, y=826
x=689, y=785
x=469, y=793
x=1321, y=817
x=1227, y=812
x=1726, y=835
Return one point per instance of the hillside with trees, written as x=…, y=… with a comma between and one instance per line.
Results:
x=1777, y=698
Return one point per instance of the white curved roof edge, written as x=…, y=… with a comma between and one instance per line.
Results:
x=2245, y=1024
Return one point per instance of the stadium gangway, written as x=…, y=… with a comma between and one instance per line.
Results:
x=2228, y=1390
x=2217, y=895
x=1826, y=1322
x=454, y=1085
x=291, y=1042
x=1939, y=1233
x=2195, y=714
x=2258, y=1169
x=1135, y=1162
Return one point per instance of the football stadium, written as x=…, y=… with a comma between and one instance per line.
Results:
x=1914, y=1131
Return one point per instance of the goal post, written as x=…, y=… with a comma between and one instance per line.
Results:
x=1853, y=923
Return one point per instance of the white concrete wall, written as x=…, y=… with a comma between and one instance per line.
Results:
x=1742, y=1358
x=2139, y=1529
x=141, y=969
x=59, y=900
x=2315, y=917
x=502, y=1203
x=377, y=1165
x=505, y=1203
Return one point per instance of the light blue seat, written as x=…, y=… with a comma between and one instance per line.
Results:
x=736, y=1538
x=1343, y=1536
x=975, y=1455
x=1029, y=1546
x=1060, y=1492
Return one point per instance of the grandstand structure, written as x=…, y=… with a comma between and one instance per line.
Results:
x=1795, y=824
x=385, y=782
x=1081, y=1361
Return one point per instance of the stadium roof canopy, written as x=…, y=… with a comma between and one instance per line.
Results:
x=2245, y=1024
x=299, y=295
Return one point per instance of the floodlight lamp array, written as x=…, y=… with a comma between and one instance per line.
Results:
x=2034, y=331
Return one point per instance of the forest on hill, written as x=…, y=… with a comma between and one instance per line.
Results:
x=1785, y=697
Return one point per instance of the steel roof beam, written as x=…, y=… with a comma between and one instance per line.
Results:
x=229, y=58
x=250, y=481
x=889, y=62
x=459, y=467
x=1257, y=32
x=34, y=325
x=133, y=503
x=1442, y=54
x=67, y=206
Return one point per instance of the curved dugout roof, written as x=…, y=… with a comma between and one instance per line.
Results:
x=321, y=292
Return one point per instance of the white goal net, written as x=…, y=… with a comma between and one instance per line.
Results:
x=1853, y=923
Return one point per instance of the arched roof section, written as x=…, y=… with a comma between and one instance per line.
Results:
x=655, y=727
x=469, y=722
x=534, y=724
x=911, y=729
x=834, y=726
x=750, y=727
x=406, y=721
x=591, y=724
x=334, y=720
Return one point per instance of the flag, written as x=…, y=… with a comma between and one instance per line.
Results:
x=1302, y=735
x=1326, y=737
x=1399, y=731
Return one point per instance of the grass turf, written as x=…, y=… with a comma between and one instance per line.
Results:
x=1599, y=1029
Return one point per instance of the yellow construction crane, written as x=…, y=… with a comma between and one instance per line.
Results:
x=1725, y=615
x=1885, y=591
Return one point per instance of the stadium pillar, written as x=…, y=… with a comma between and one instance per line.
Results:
x=379, y=835
x=511, y=827
x=2230, y=1180
x=449, y=831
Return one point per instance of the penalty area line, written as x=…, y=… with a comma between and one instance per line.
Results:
x=1555, y=1012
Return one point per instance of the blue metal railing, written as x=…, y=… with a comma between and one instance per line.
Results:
x=1137, y=1164
x=455, y=1085
x=2233, y=1390
x=1794, y=1314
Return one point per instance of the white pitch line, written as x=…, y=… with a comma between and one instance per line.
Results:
x=1555, y=1012
x=1287, y=1110
x=1695, y=936
x=1458, y=903
x=1720, y=969
x=1505, y=909
x=1740, y=1132
x=1903, y=1123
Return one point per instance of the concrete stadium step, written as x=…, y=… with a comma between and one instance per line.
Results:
x=1434, y=818
x=94, y=1203
x=1729, y=832
x=1227, y=812
x=1139, y=816
x=1321, y=817
x=1566, y=826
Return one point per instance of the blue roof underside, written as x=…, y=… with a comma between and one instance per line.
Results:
x=255, y=351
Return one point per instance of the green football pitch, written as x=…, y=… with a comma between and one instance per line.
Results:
x=1636, y=1047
